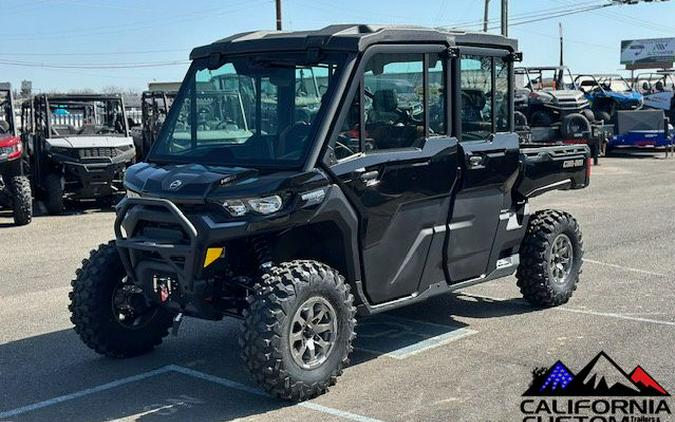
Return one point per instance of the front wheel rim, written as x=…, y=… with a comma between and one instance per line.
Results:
x=561, y=258
x=313, y=332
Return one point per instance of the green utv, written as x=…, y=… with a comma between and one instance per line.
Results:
x=302, y=178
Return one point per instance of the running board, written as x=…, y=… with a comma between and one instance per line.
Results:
x=505, y=267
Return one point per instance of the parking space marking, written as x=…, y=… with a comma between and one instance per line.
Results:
x=185, y=371
x=619, y=316
x=402, y=327
x=584, y=311
x=621, y=267
x=85, y=392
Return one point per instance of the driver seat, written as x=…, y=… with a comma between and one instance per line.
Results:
x=385, y=103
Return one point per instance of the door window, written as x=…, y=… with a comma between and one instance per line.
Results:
x=394, y=101
x=502, y=109
x=476, y=86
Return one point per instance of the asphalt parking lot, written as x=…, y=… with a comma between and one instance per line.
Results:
x=466, y=356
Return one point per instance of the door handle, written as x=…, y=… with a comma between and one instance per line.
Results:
x=369, y=176
x=476, y=161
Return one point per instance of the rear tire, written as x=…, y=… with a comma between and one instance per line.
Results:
x=603, y=115
x=54, y=195
x=93, y=304
x=575, y=125
x=281, y=342
x=547, y=275
x=22, y=200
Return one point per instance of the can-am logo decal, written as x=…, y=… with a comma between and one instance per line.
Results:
x=572, y=163
x=601, y=392
x=175, y=184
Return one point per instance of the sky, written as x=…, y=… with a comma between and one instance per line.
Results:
x=63, y=45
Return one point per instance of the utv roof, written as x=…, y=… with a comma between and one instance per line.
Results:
x=80, y=97
x=348, y=37
x=535, y=68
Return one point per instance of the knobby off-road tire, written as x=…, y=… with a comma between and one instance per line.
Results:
x=54, y=194
x=284, y=295
x=545, y=279
x=22, y=200
x=92, y=308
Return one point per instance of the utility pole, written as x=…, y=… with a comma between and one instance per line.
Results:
x=278, y=4
x=561, y=42
x=505, y=18
x=486, y=14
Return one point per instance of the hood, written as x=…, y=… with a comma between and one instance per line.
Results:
x=193, y=183
x=632, y=96
x=566, y=95
x=90, y=141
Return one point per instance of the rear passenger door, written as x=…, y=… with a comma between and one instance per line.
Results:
x=489, y=154
x=397, y=165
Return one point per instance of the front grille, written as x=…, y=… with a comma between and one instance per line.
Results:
x=101, y=152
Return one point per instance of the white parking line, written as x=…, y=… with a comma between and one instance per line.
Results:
x=583, y=311
x=423, y=345
x=185, y=371
x=619, y=316
x=621, y=267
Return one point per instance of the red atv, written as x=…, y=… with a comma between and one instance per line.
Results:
x=15, y=191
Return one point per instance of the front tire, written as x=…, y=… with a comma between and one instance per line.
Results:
x=22, y=200
x=298, y=330
x=551, y=257
x=54, y=195
x=104, y=321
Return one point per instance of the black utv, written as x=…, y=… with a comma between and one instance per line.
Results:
x=15, y=191
x=296, y=216
x=155, y=105
x=78, y=147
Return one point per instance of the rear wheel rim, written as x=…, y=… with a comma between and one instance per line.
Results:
x=560, y=260
x=313, y=332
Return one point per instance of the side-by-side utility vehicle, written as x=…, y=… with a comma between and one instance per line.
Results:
x=608, y=94
x=154, y=107
x=295, y=215
x=78, y=145
x=15, y=191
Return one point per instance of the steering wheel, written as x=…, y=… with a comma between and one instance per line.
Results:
x=297, y=132
x=339, y=146
x=224, y=123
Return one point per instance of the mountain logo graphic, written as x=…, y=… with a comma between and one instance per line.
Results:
x=601, y=377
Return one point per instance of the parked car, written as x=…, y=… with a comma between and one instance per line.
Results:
x=361, y=209
x=78, y=147
x=608, y=94
x=15, y=190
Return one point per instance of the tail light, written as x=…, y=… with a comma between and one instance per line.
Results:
x=10, y=148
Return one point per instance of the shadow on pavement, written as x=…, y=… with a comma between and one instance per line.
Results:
x=55, y=364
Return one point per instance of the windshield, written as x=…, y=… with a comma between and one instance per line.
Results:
x=652, y=83
x=70, y=117
x=249, y=111
x=552, y=79
x=6, y=117
x=614, y=83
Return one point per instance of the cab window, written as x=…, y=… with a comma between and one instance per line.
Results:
x=476, y=93
x=391, y=106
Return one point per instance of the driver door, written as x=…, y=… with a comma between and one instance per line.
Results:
x=397, y=166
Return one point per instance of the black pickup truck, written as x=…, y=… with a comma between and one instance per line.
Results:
x=296, y=212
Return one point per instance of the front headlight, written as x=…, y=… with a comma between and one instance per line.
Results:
x=265, y=206
x=132, y=194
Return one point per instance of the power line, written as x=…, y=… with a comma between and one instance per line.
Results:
x=93, y=66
